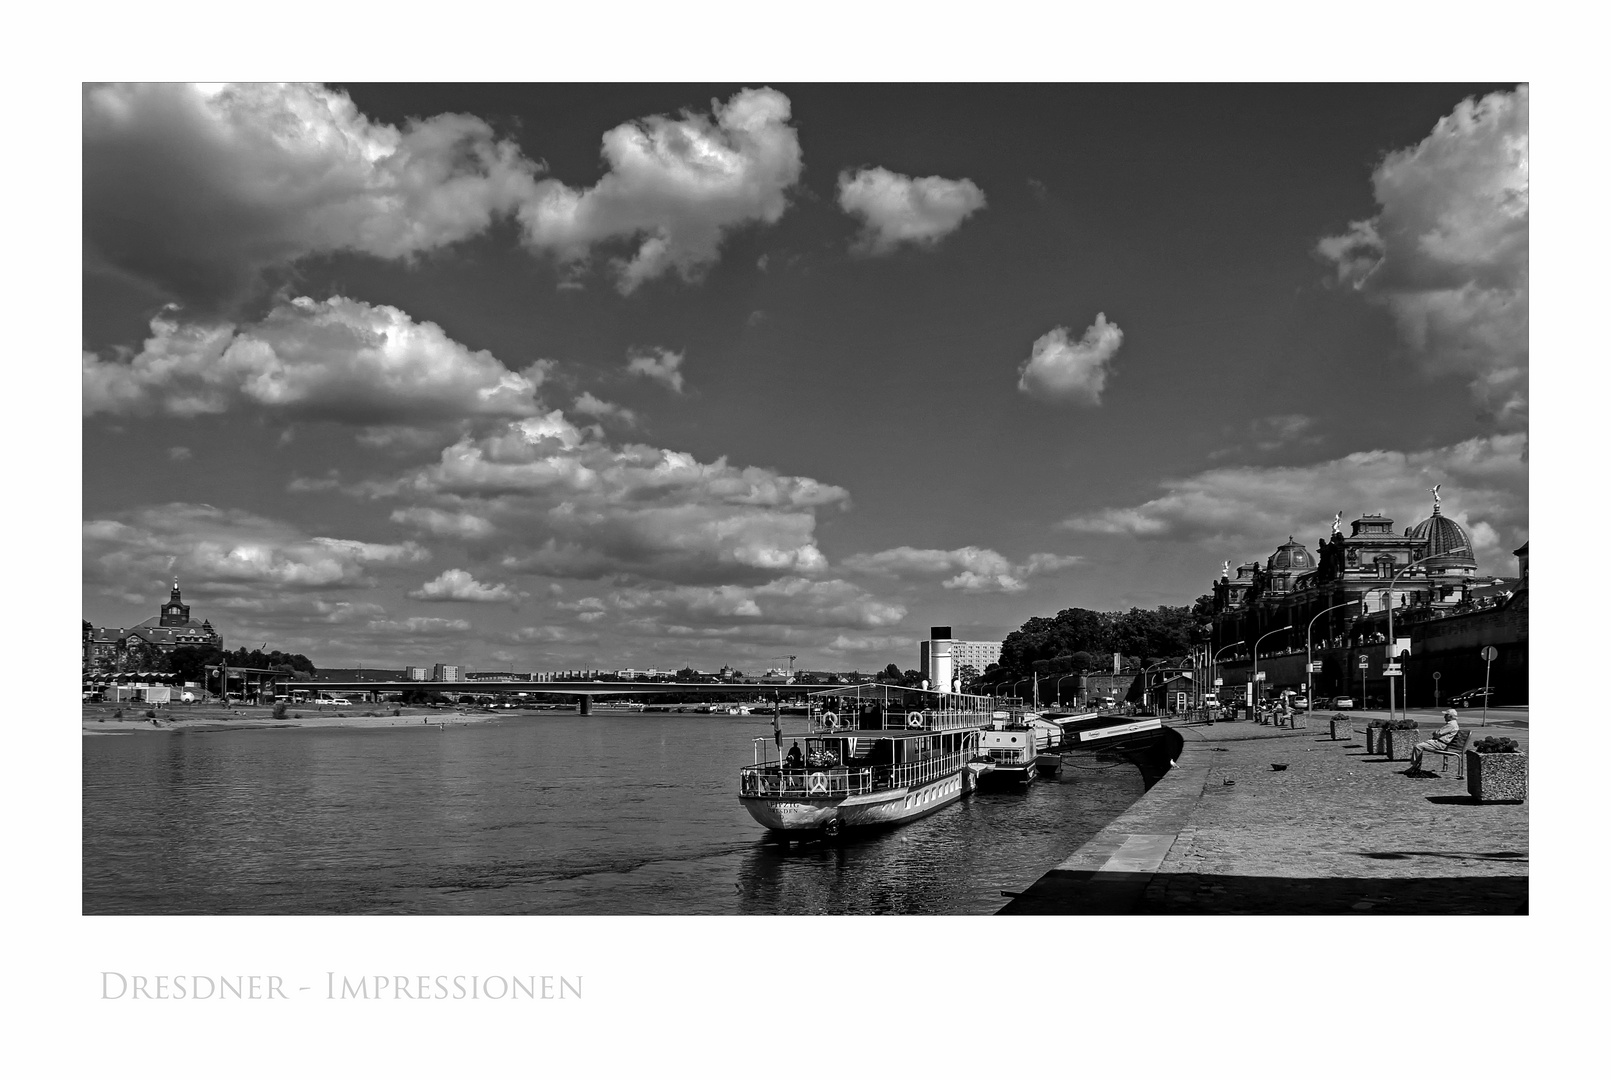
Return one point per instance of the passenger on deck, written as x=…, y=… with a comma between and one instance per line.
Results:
x=794, y=759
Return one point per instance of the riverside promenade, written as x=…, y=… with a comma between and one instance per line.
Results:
x=1338, y=832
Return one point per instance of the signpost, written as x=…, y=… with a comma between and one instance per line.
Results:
x=1489, y=655
x=1364, y=679
x=1436, y=700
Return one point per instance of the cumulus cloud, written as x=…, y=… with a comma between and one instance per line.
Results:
x=588, y=405
x=459, y=525
x=896, y=209
x=661, y=365
x=781, y=602
x=458, y=584
x=1484, y=482
x=222, y=551
x=338, y=359
x=1447, y=254
x=419, y=625
x=1062, y=369
x=972, y=569
x=179, y=453
x=197, y=190
x=674, y=187
x=591, y=508
x=864, y=643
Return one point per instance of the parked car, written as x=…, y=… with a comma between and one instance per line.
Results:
x=1472, y=697
x=1300, y=703
x=1342, y=703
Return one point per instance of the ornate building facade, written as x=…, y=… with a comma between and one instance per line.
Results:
x=1426, y=570
x=1338, y=598
x=108, y=650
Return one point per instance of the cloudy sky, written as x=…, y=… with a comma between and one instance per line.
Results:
x=557, y=376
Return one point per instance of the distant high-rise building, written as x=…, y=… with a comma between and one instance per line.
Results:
x=447, y=673
x=415, y=674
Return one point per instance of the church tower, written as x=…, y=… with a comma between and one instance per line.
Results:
x=175, y=612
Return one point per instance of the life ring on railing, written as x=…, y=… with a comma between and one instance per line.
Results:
x=830, y=721
x=914, y=719
x=819, y=784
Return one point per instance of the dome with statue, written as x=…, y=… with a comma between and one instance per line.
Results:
x=1444, y=535
x=1292, y=556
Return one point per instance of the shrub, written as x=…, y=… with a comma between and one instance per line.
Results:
x=397, y=712
x=1403, y=723
x=279, y=710
x=151, y=714
x=1341, y=718
x=296, y=716
x=118, y=715
x=1378, y=721
x=1495, y=745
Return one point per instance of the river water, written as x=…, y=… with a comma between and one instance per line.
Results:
x=544, y=813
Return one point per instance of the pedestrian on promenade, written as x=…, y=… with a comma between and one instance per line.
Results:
x=1440, y=739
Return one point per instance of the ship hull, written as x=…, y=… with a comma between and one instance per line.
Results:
x=1008, y=776
x=879, y=809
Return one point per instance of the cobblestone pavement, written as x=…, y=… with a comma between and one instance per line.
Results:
x=1338, y=831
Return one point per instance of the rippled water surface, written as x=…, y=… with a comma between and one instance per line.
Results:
x=547, y=813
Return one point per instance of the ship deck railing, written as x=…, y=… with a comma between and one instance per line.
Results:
x=774, y=779
x=831, y=723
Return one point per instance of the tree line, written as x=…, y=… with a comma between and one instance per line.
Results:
x=1077, y=641
x=191, y=662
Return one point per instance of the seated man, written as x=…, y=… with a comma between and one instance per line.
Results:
x=1440, y=739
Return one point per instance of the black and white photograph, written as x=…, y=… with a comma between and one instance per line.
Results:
x=723, y=526
x=805, y=500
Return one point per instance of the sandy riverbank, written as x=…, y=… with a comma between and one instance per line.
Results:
x=99, y=719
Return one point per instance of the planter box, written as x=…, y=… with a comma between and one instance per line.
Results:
x=1342, y=730
x=1398, y=744
x=1373, y=735
x=1496, y=777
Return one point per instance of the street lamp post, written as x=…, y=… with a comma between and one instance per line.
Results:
x=1252, y=686
x=1392, y=643
x=1145, y=690
x=1059, y=688
x=1213, y=665
x=1309, y=649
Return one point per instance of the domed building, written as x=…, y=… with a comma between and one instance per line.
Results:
x=1326, y=620
x=1290, y=562
x=1450, y=565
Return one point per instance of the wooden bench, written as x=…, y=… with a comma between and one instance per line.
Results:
x=1457, y=750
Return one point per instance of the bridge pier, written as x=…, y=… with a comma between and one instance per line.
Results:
x=584, y=704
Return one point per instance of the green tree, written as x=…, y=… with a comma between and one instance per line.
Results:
x=190, y=662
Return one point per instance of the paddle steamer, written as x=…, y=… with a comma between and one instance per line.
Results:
x=871, y=756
